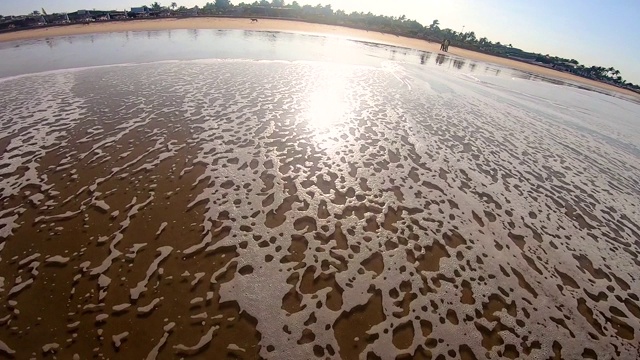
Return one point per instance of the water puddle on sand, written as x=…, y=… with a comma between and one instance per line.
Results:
x=285, y=210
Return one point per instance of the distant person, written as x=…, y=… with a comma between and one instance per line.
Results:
x=446, y=45
x=443, y=45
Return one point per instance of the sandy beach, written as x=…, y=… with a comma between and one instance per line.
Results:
x=253, y=206
x=293, y=26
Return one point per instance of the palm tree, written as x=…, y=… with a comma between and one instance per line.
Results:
x=156, y=6
x=174, y=5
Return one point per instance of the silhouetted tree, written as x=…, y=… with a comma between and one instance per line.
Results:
x=209, y=8
x=327, y=10
x=471, y=37
x=435, y=25
x=222, y=5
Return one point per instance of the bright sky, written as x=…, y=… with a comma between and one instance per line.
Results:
x=594, y=32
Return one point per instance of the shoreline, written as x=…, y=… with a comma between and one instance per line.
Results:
x=287, y=25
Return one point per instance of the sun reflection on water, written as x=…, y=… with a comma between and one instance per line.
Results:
x=329, y=108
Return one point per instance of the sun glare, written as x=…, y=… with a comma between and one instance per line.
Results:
x=328, y=106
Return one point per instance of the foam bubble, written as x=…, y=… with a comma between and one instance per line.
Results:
x=57, y=259
x=204, y=340
x=50, y=348
x=117, y=339
x=6, y=349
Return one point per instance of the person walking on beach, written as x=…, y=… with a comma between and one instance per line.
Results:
x=442, y=46
x=446, y=45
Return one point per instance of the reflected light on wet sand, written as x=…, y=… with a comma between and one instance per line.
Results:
x=328, y=108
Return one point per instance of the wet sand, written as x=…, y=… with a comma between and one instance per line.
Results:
x=297, y=210
x=296, y=26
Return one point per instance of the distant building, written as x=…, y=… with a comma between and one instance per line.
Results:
x=23, y=22
x=140, y=10
x=118, y=15
x=80, y=16
x=57, y=19
x=8, y=18
x=38, y=20
x=565, y=66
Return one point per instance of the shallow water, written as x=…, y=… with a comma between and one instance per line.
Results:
x=336, y=199
x=26, y=57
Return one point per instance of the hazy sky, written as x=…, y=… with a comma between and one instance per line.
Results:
x=594, y=32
